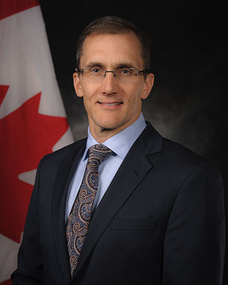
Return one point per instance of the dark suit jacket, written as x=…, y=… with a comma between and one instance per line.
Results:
x=161, y=221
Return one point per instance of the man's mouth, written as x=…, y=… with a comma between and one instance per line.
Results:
x=110, y=104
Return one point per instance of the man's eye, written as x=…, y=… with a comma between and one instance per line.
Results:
x=95, y=70
x=125, y=71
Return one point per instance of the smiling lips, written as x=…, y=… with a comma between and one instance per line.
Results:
x=110, y=104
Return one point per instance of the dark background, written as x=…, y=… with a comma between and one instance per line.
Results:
x=189, y=60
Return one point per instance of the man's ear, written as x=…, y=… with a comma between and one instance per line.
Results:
x=77, y=85
x=148, y=85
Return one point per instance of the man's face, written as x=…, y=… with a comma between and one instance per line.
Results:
x=112, y=106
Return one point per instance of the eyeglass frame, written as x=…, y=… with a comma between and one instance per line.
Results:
x=139, y=72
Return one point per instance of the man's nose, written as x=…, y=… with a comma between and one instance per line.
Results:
x=109, y=83
x=110, y=71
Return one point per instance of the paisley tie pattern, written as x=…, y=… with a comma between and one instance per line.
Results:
x=80, y=216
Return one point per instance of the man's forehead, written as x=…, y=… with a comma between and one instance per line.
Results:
x=121, y=49
x=102, y=40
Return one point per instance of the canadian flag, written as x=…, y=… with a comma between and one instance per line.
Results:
x=32, y=118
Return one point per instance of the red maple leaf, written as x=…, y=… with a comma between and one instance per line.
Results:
x=26, y=136
x=3, y=91
x=8, y=282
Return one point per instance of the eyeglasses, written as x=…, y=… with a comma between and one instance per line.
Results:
x=121, y=74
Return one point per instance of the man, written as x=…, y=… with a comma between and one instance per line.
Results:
x=157, y=216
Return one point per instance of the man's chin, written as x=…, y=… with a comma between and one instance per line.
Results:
x=107, y=129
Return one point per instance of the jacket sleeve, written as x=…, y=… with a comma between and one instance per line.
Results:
x=30, y=265
x=195, y=237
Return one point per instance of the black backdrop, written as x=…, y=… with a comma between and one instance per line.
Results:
x=189, y=60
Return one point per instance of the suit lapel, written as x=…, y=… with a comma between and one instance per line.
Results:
x=65, y=173
x=133, y=169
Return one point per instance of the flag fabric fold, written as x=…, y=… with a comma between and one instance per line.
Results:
x=32, y=118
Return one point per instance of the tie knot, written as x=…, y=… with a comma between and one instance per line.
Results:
x=97, y=154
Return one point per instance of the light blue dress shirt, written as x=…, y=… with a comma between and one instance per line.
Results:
x=120, y=144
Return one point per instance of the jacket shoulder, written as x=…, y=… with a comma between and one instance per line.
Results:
x=179, y=153
x=167, y=150
x=65, y=152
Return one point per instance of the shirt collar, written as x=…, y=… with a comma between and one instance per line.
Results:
x=120, y=143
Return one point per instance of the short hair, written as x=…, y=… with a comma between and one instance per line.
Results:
x=115, y=25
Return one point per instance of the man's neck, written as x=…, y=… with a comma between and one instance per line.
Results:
x=101, y=134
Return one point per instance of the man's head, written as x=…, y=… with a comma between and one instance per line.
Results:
x=114, y=25
x=111, y=76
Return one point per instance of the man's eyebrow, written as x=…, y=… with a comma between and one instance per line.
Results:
x=90, y=64
x=122, y=65
x=119, y=65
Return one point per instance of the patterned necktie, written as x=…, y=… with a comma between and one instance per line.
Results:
x=80, y=216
